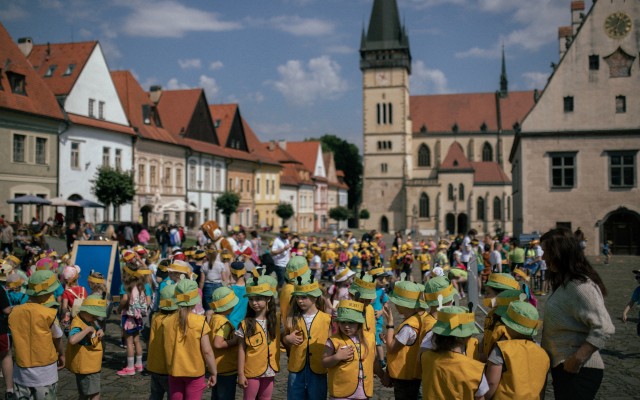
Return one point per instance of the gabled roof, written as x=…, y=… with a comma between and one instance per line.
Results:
x=177, y=107
x=469, y=111
x=455, y=159
x=100, y=124
x=256, y=148
x=62, y=55
x=39, y=99
x=305, y=152
x=280, y=154
x=222, y=116
x=489, y=172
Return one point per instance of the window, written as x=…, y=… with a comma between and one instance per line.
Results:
x=142, y=179
x=384, y=167
x=207, y=178
x=594, y=62
x=146, y=114
x=18, y=148
x=106, y=153
x=167, y=177
x=92, y=104
x=563, y=170
x=424, y=206
x=153, y=175
x=424, y=156
x=480, y=209
x=192, y=176
x=508, y=208
x=390, y=113
x=230, y=184
x=273, y=186
x=257, y=185
x=487, y=152
x=69, y=69
x=378, y=113
x=497, y=209
x=178, y=177
x=217, y=177
x=384, y=112
x=242, y=186
x=450, y=195
x=461, y=192
x=17, y=83
x=622, y=169
x=621, y=104
x=568, y=104
x=101, y=110
x=50, y=70
x=75, y=155
x=41, y=151
x=118, y=159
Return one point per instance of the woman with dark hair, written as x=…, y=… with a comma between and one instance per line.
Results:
x=576, y=322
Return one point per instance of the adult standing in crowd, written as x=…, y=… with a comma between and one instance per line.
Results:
x=162, y=236
x=280, y=253
x=7, y=237
x=576, y=322
x=129, y=239
x=72, y=234
x=256, y=244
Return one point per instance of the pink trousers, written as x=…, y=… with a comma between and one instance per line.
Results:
x=186, y=388
x=258, y=389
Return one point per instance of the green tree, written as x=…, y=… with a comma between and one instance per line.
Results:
x=113, y=187
x=228, y=203
x=364, y=214
x=284, y=211
x=340, y=213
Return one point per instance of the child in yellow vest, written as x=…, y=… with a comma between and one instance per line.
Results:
x=156, y=361
x=297, y=266
x=425, y=262
x=187, y=347
x=307, y=329
x=439, y=292
x=259, y=349
x=517, y=367
x=496, y=284
x=495, y=330
x=403, y=348
x=349, y=355
x=447, y=373
x=224, y=343
x=442, y=260
x=363, y=289
x=393, y=259
x=84, y=347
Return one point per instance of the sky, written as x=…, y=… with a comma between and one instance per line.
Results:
x=293, y=65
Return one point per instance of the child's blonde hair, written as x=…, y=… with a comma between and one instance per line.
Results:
x=97, y=287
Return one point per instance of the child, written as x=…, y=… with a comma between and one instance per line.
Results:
x=14, y=290
x=403, y=348
x=438, y=292
x=316, y=263
x=521, y=277
x=425, y=262
x=497, y=283
x=156, y=360
x=442, y=260
x=224, y=343
x=380, y=276
x=84, y=348
x=635, y=299
x=517, y=367
x=447, y=373
x=606, y=251
x=307, y=329
x=73, y=294
x=97, y=283
x=259, y=349
x=6, y=360
x=363, y=289
x=238, y=286
x=297, y=266
x=349, y=356
x=187, y=347
x=340, y=288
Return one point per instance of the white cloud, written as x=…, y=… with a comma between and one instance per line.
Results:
x=214, y=65
x=303, y=86
x=428, y=81
x=535, y=80
x=273, y=130
x=190, y=63
x=340, y=49
x=13, y=12
x=478, y=52
x=256, y=97
x=171, y=19
x=174, y=84
x=210, y=87
x=299, y=26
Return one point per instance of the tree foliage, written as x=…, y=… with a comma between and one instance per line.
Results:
x=340, y=213
x=228, y=203
x=113, y=187
x=284, y=211
x=364, y=214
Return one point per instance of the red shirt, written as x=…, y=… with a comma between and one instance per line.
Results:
x=72, y=293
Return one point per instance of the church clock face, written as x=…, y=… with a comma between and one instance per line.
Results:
x=382, y=78
x=617, y=25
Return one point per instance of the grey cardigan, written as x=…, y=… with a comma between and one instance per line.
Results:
x=572, y=315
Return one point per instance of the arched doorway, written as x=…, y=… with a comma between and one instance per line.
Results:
x=450, y=223
x=145, y=211
x=622, y=227
x=463, y=223
x=384, y=224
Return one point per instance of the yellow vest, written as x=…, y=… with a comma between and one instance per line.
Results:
x=450, y=375
x=425, y=262
x=226, y=359
x=285, y=301
x=312, y=346
x=82, y=359
x=260, y=350
x=369, y=328
x=491, y=337
x=32, y=339
x=526, y=370
x=343, y=377
x=405, y=363
x=156, y=361
x=182, y=351
x=442, y=260
x=472, y=348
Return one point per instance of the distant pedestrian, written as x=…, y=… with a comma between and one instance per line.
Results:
x=635, y=299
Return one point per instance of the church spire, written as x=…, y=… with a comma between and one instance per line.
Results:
x=386, y=44
x=504, y=83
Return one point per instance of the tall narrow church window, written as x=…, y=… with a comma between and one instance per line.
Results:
x=424, y=156
x=487, y=152
x=480, y=209
x=461, y=192
x=424, y=206
x=568, y=104
x=450, y=193
x=497, y=209
x=384, y=113
x=384, y=167
x=390, y=114
x=378, y=115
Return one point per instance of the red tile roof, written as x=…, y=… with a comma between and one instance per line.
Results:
x=455, y=159
x=205, y=147
x=256, y=148
x=177, y=107
x=100, y=124
x=222, y=115
x=43, y=56
x=305, y=152
x=39, y=99
x=293, y=171
x=439, y=113
x=279, y=154
x=489, y=172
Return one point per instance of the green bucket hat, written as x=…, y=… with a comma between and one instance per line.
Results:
x=455, y=321
x=187, y=293
x=503, y=299
x=259, y=287
x=297, y=266
x=407, y=294
x=502, y=281
x=437, y=286
x=223, y=299
x=364, y=285
x=522, y=317
x=42, y=282
x=95, y=305
x=309, y=288
x=350, y=311
x=168, y=298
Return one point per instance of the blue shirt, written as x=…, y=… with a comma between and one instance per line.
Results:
x=635, y=297
x=17, y=298
x=86, y=341
x=59, y=291
x=379, y=302
x=240, y=310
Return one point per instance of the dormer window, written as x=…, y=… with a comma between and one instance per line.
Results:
x=146, y=114
x=17, y=83
x=454, y=128
x=423, y=128
x=69, y=70
x=483, y=127
x=50, y=71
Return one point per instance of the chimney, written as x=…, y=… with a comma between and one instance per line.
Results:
x=155, y=92
x=565, y=36
x=282, y=144
x=272, y=145
x=577, y=13
x=25, y=45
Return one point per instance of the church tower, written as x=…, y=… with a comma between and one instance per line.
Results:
x=385, y=62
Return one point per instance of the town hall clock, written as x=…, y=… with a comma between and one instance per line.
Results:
x=617, y=25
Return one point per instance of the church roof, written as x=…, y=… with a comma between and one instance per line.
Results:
x=484, y=172
x=469, y=111
x=455, y=159
x=385, y=30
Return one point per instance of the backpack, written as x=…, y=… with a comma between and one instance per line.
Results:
x=77, y=303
